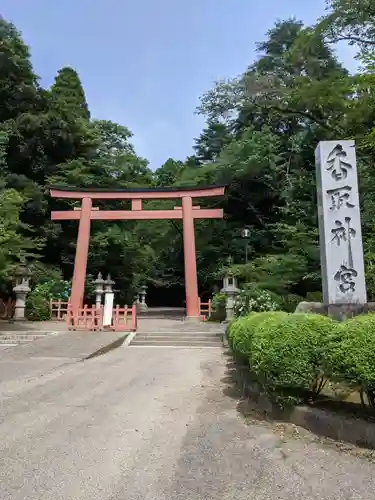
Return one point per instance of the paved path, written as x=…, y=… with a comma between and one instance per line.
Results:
x=155, y=424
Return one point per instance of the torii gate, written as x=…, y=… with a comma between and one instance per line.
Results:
x=186, y=212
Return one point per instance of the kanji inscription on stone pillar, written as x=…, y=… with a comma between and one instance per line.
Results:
x=341, y=250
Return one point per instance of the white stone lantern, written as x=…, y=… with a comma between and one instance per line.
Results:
x=108, y=284
x=99, y=290
x=141, y=305
x=21, y=289
x=230, y=291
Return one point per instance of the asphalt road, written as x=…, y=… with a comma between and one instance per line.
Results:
x=156, y=423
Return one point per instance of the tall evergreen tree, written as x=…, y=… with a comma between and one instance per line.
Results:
x=68, y=92
x=18, y=83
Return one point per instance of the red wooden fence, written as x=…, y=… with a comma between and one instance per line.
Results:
x=59, y=309
x=85, y=318
x=205, y=309
x=124, y=319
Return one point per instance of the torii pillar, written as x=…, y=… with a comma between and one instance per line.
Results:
x=187, y=213
x=190, y=259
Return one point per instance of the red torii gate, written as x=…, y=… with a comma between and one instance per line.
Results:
x=186, y=212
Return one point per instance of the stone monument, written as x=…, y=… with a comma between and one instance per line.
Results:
x=341, y=250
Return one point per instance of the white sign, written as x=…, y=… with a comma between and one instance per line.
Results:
x=108, y=309
x=341, y=250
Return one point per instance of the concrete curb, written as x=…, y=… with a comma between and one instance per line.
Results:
x=109, y=347
x=129, y=339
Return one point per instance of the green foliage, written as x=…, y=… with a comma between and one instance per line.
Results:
x=254, y=299
x=40, y=273
x=241, y=332
x=218, y=307
x=37, y=307
x=13, y=243
x=350, y=22
x=288, y=355
x=290, y=301
x=54, y=289
x=351, y=354
x=69, y=94
x=169, y=173
x=259, y=138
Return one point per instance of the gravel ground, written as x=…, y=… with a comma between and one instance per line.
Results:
x=159, y=424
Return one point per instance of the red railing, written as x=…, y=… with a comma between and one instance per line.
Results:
x=59, y=309
x=84, y=318
x=124, y=319
x=205, y=309
x=7, y=308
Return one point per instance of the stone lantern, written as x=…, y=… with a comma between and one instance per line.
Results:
x=108, y=284
x=21, y=289
x=230, y=291
x=141, y=305
x=99, y=290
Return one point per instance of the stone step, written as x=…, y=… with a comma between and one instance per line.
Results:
x=20, y=336
x=173, y=342
x=179, y=337
x=14, y=342
x=181, y=330
x=16, y=338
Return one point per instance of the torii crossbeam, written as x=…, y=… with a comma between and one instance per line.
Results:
x=186, y=212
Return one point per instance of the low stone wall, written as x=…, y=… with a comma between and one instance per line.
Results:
x=339, y=427
x=317, y=420
x=339, y=312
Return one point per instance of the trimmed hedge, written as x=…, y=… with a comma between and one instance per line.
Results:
x=350, y=355
x=287, y=355
x=286, y=352
x=242, y=331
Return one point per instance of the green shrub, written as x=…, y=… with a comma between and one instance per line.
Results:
x=54, y=289
x=218, y=307
x=37, y=307
x=238, y=332
x=287, y=355
x=290, y=302
x=243, y=330
x=350, y=354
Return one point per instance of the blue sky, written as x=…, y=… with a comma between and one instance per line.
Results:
x=144, y=63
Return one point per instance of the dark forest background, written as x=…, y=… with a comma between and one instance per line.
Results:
x=259, y=138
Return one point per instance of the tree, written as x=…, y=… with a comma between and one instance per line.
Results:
x=169, y=173
x=211, y=141
x=18, y=83
x=13, y=243
x=69, y=94
x=352, y=22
